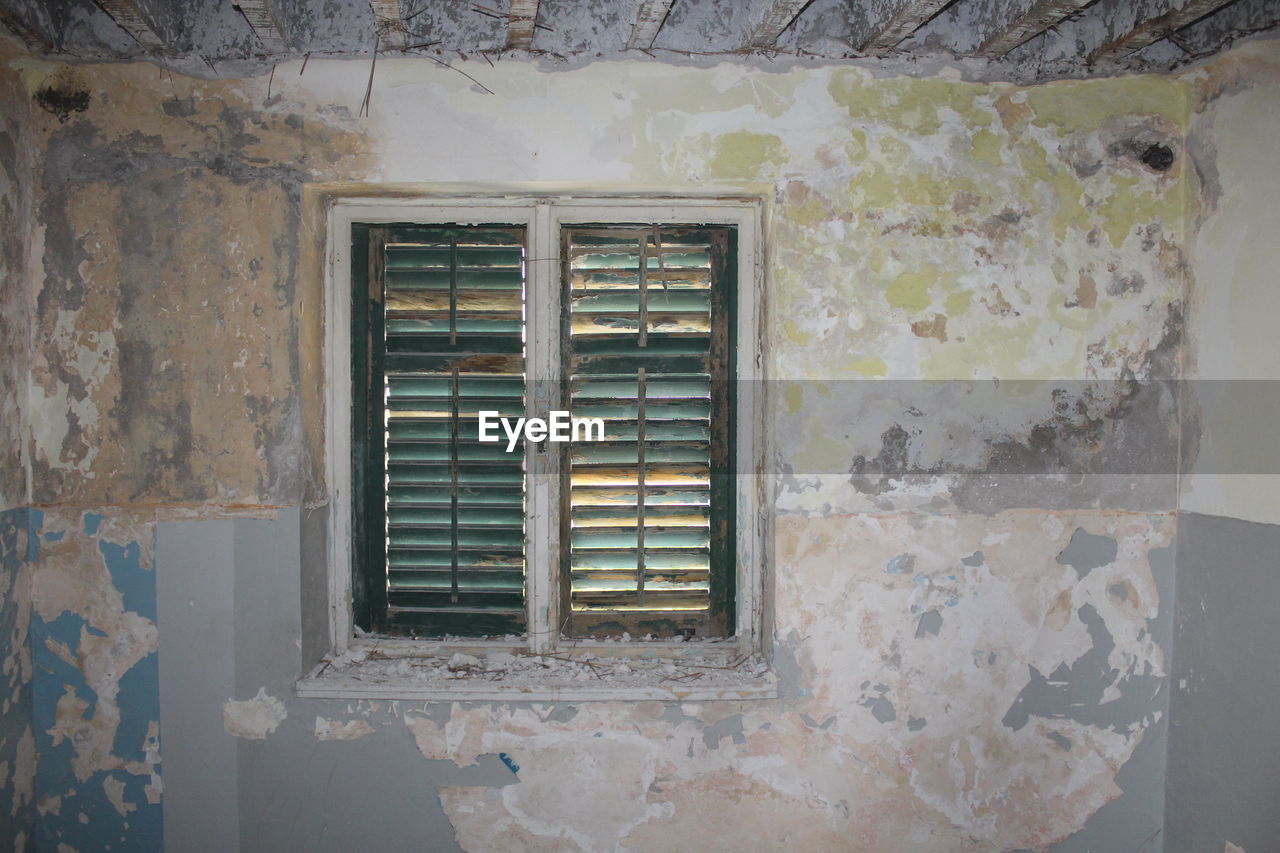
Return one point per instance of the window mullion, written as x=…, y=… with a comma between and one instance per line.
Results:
x=542, y=521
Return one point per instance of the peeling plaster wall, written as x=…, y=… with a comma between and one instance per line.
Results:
x=19, y=151
x=96, y=707
x=973, y=645
x=1222, y=774
x=1233, y=354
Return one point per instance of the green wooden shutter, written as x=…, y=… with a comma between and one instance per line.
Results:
x=443, y=519
x=647, y=513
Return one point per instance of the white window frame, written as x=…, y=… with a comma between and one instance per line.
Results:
x=544, y=215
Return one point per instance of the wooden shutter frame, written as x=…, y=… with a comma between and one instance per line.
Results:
x=720, y=618
x=371, y=609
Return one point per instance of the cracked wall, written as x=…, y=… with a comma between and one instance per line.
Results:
x=973, y=597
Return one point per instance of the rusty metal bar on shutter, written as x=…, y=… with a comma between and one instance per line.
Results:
x=453, y=468
x=643, y=321
x=640, y=440
x=453, y=295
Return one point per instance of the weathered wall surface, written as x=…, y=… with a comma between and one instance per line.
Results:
x=973, y=645
x=167, y=367
x=1233, y=357
x=19, y=152
x=95, y=702
x=1222, y=779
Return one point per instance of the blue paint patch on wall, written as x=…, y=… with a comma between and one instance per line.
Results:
x=56, y=650
x=900, y=564
x=53, y=674
x=92, y=521
x=35, y=521
x=137, y=585
x=509, y=761
x=138, y=688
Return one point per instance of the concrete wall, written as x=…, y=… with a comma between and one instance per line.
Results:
x=1223, y=780
x=973, y=645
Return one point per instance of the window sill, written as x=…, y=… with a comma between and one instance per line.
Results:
x=599, y=672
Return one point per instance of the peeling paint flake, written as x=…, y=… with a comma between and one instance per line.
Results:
x=254, y=718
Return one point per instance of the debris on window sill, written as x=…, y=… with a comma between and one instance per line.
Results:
x=492, y=674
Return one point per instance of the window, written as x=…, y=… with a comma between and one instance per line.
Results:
x=627, y=311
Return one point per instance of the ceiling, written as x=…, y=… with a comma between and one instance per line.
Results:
x=985, y=39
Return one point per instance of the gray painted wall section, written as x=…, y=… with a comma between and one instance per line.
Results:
x=1135, y=821
x=196, y=612
x=314, y=578
x=230, y=624
x=1224, y=744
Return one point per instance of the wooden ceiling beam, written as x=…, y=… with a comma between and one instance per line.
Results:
x=649, y=19
x=1240, y=19
x=264, y=18
x=392, y=34
x=888, y=22
x=1018, y=21
x=777, y=17
x=130, y=19
x=16, y=23
x=1153, y=26
x=522, y=19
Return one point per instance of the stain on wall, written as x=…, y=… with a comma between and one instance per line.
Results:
x=966, y=636
x=137, y=275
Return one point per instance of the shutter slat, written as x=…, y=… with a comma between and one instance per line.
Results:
x=584, y=560
x=424, y=559
x=442, y=580
x=473, y=323
x=661, y=410
x=627, y=323
x=655, y=391
x=655, y=538
x=585, y=281
x=675, y=301
x=461, y=350
x=657, y=475
x=624, y=496
x=411, y=280
x=464, y=537
x=479, y=517
x=655, y=516
x=586, y=455
x=655, y=600
x=428, y=496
